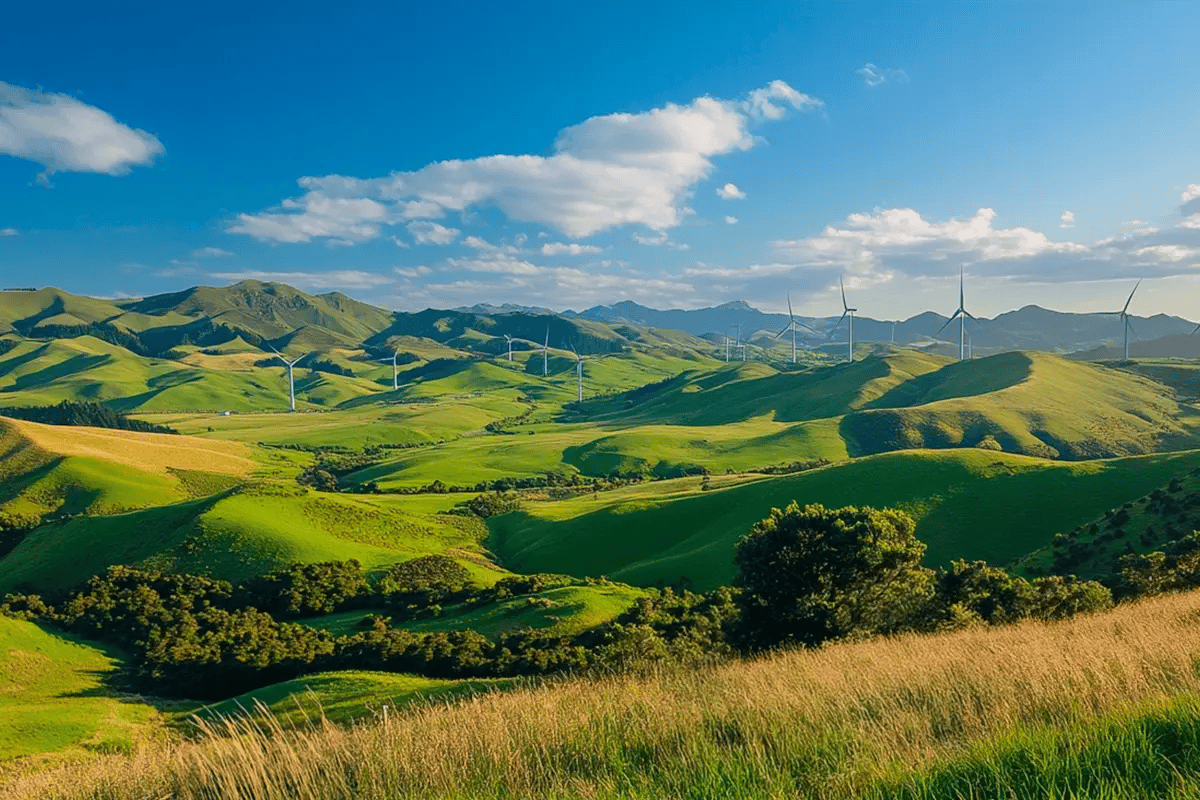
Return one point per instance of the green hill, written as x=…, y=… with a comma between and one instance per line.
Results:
x=49, y=471
x=348, y=696
x=967, y=503
x=55, y=695
x=1031, y=403
x=247, y=531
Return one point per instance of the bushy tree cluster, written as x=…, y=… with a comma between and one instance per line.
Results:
x=94, y=415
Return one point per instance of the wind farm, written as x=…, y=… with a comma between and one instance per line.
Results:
x=463, y=407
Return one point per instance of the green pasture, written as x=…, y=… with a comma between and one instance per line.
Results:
x=242, y=533
x=347, y=696
x=563, y=611
x=967, y=503
x=55, y=695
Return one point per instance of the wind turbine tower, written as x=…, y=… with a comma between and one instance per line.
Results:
x=291, y=374
x=578, y=372
x=1124, y=315
x=847, y=313
x=509, y=339
x=961, y=314
x=546, y=354
x=395, y=368
x=792, y=325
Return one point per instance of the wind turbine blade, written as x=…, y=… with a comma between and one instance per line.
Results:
x=1193, y=333
x=961, y=301
x=946, y=324
x=845, y=305
x=790, y=316
x=839, y=322
x=786, y=328
x=1130, y=300
x=968, y=313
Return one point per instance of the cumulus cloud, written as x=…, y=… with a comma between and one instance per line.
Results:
x=659, y=239
x=569, y=249
x=730, y=192
x=1190, y=200
x=412, y=272
x=9, y=232
x=498, y=263
x=64, y=135
x=877, y=76
x=210, y=252
x=1067, y=220
x=333, y=279
x=604, y=172
x=731, y=220
x=483, y=245
x=432, y=233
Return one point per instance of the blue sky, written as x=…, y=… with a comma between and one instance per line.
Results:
x=676, y=154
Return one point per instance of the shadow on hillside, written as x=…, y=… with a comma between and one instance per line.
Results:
x=960, y=379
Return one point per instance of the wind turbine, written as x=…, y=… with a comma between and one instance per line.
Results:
x=1124, y=315
x=291, y=376
x=509, y=338
x=961, y=313
x=727, y=346
x=578, y=372
x=395, y=369
x=546, y=354
x=792, y=324
x=847, y=311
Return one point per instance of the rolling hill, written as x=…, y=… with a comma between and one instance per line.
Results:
x=968, y=504
x=242, y=532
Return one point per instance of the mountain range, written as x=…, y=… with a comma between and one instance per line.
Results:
x=266, y=315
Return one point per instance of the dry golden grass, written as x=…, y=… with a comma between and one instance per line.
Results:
x=824, y=723
x=149, y=452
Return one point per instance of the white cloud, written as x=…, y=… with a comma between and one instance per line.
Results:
x=432, y=233
x=341, y=219
x=569, y=248
x=659, y=239
x=731, y=220
x=1191, y=193
x=498, y=264
x=210, y=252
x=333, y=279
x=65, y=135
x=760, y=105
x=9, y=232
x=730, y=192
x=877, y=76
x=484, y=246
x=606, y=171
x=1167, y=252
x=1067, y=220
x=412, y=272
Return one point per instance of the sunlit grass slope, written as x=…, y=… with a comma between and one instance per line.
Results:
x=1100, y=706
x=967, y=503
x=347, y=696
x=48, y=470
x=248, y=531
x=562, y=611
x=53, y=696
x=1030, y=403
x=744, y=391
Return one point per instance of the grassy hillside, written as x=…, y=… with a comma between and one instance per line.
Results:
x=1099, y=706
x=54, y=696
x=967, y=503
x=1150, y=522
x=346, y=697
x=563, y=611
x=1030, y=403
x=244, y=532
x=48, y=471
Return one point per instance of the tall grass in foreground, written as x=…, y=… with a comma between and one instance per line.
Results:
x=1031, y=710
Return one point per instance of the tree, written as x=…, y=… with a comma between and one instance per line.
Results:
x=814, y=574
